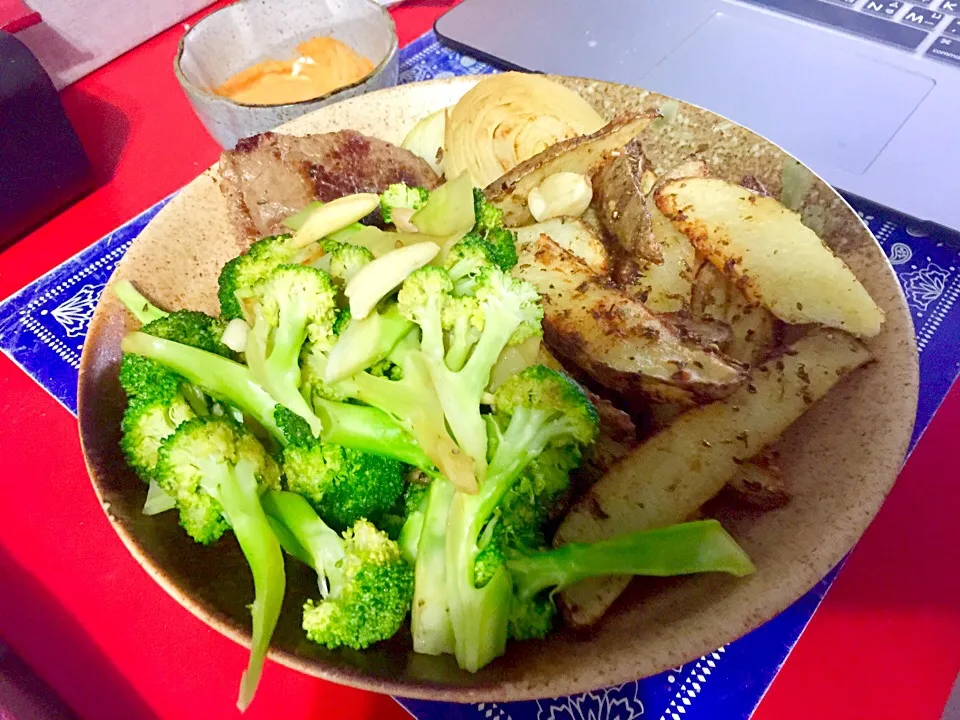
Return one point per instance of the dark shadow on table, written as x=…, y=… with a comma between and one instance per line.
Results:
x=102, y=127
x=47, y=635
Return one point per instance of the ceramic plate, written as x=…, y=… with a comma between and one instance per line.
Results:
x=839, y=460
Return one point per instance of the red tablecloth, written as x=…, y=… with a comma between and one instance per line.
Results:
x=78, y=608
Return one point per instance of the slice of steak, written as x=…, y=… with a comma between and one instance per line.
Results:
x=269, y=177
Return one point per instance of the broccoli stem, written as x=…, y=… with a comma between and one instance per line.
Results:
x=141, y=308
x=321, y=547
x=369, y=430
x=413, y=403
x=220, y=377
x=684, y=549
x=237, y=491
x=430, y=619
x=460, y=392
x=273, y=360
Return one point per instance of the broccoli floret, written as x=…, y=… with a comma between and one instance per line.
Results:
x=192, y=328
x=343, y=485
x=534, y=410
x=488, y=216
x=344, y=260
x=291, y=305
x=147, y=421
x=140, y=376
x=531, y=619
x=489, y=226
x=137, y=304
x=511, y=313
x=400, y=195
x=360, y=344
x=366, y=585
x=239, y=274
x=216, y=470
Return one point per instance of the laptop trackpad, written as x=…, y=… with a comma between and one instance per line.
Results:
x=826, y=106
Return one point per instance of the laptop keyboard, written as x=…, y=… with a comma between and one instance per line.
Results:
x=931, y=27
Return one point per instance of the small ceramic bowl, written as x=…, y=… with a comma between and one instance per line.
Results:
x=250, y=31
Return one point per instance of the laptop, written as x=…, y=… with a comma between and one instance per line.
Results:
x=865, y=92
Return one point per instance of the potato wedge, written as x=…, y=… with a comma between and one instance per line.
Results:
x=614, y=338
x=666, y=287
x=581, y=154
x=770, y=254
x=622, y=205
x=753, y=328
x=573, y=235
x=667, y=478
x=759, y=484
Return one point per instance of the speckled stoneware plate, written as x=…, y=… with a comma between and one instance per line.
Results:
x=840, y=460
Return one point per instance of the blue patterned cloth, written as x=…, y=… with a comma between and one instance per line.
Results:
x=43, y=326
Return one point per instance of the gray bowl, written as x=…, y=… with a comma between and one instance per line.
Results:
x=250, y=31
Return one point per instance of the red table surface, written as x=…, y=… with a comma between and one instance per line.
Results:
x=77, y=607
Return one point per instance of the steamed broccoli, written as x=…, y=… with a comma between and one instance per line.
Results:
x=693, y=547
x=216, y=470
x=341, y=484
x=239, y=274
x=488, y=217
x=489, y=226
x=400, y=195
x=343, y=260
x=535, y=410
x=430, y=619
x=511, y=313
x=291, y=305
x=147, y=421
x=366, y=586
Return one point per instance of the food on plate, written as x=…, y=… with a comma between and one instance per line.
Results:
x=745, y=235
x=451, y=411
x=759, y=483
x=622, y=204
x=753, y=328
x=269, y=177
x=689, y=462
x=509, y=118
x=573, y=235
x=582, y=155
x=614, y=338
x=323, y=64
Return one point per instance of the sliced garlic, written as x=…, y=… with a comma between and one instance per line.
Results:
x=379, y=278
x=561, y=194
x=235, y=335
x=335, y=215
x=401, y=219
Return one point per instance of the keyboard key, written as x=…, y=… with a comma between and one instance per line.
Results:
x=953, y=28
x=884, y=8
x=945, y=49
x=922, y=17
x=851, y=21
x=950, y=6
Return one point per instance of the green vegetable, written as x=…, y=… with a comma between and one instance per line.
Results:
x=510, y=312
x=430, y=620
x=137, y=304
x=366, y=585
x=449, y=209
x=215, y=470
x=684, y=549
x=342, y=485
x=241, y=273
x=534, y=410
x=290, y=305
x=400, y=195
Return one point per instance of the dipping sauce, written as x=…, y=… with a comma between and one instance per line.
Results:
x=322, y=66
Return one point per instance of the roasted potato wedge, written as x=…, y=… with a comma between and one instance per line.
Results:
x=759, y=484
x=770, y=254
x=622, y=205
x=573, y=235
x=703, y=331
x=753, y=328
x=581, y=154
x=614, y=338
x=666, y=287
x=667, y=478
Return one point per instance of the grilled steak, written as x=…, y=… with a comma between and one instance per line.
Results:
x=269, y=177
